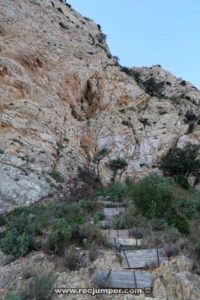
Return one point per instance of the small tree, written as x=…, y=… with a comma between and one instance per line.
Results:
x=98, y=157
x=118, y=167
x=182, y=161
x=196, y=173
x=88, y=176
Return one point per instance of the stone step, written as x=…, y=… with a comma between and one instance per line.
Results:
x=129, y=242
x=120, y=233
x=110, y=212
x=144, y=258
x=121, y=237
x=112, y=204
x=124, y=279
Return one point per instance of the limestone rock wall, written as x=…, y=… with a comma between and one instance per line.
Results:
x=61, y=92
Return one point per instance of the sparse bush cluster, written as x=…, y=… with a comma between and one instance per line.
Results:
x=197, y=249
x=12, y=296
x=42, y=286
x=57, y=176
x=153, y=87
x=126, y=123
x=144, y=121
x=190, y=116
x=130, y=72
x=152, y=196
x=63, y=222
x=71, y=259
x=173, y=218
x=191, y=119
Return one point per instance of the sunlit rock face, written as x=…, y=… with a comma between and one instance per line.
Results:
x=62, y=93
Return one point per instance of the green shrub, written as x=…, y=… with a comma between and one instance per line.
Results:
x=91, y=247
x=153, y=87
x=126, y=123
x=29, y=272
x=30, y=219
x=132, y=73
x=42, y=286
x=92, y=234
x=59, y=220
x=8, y=242
x=171, y=234
x=71, y=259
x=182, y=181
x=61, y=233
x=57, y=176
x=20, y=223
x=119, y=222
x=190, y=116
x=152, y=196
x=128, y=219
x=11, y=296
x=173, y=218
x=144, y=121
x=51, y=245
x=61, y=230
x=115, y=191
x=98, y=216
x=14, y=244
x=183, y=82
x=190, y=207
x=91, y=205
x=197, y=249
x=73, y=212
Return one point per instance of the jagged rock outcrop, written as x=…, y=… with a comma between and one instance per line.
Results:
x=62, y=92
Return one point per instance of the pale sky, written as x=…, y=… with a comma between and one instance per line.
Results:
x=149, y=32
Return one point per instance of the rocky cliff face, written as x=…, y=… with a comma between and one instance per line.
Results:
x=62, y=92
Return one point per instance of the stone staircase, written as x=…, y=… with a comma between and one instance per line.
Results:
x=136, y=262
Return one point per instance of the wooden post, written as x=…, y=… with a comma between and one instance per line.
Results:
x=136, y=236
x=158, y=259
x=135, y=279
x=126, y=258
x=115, y=244
x=107, y=277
